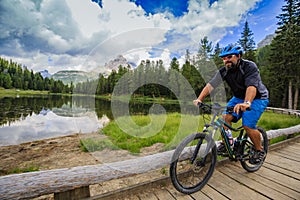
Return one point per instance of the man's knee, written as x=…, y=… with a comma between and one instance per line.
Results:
x=227, y=117
x=248, y=129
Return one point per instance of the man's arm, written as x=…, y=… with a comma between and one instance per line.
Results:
x=250, y=95
x=205, y=92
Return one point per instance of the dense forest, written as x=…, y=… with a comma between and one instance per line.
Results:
x=14, y=75
x=278, y=62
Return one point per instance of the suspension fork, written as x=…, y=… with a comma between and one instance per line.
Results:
x=209, y=144
x=199, y=143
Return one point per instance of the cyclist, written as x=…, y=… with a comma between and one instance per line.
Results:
x=248, y=90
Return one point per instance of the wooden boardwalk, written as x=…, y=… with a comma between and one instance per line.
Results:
x=279, y=178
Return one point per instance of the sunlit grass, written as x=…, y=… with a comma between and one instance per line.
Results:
x=17, y=92
x=175, y=130
x=17, y=170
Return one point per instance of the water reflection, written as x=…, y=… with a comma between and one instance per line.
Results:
x=33, y=118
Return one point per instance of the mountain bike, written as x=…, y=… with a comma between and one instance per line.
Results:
x=193, y=161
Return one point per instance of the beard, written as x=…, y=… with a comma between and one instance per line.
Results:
x=230, y=65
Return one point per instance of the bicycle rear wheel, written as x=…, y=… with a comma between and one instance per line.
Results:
x=249, y=149
x=189, y=175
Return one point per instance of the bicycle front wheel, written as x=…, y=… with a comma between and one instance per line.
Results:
x=193, y=163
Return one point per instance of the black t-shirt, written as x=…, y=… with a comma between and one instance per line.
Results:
x=241, y=77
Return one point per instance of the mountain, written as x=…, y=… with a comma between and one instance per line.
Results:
x=111, y=65
x=68, y=76
x=115, y=63
x=266, y=41
x=45, y=74
x=76, y=76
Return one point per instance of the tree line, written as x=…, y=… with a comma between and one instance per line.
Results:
x=14, y=75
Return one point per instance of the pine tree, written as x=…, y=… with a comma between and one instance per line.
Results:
x=285, y=55
x=247, y=42
x=217, y=60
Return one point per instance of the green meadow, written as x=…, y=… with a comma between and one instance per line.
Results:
x=175, y=128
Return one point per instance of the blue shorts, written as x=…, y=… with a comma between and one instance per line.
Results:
x=251, y=117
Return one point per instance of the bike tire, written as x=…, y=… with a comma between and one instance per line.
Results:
x=190, y=177
x=248, y=149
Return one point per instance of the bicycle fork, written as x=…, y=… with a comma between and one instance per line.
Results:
x=207, y=149
x=193, y=158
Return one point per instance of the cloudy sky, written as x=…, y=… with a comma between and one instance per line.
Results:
x=84, y=34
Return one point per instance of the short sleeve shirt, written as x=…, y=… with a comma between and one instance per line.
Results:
x=241, y=77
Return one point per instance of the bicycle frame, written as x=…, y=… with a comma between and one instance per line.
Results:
x=200, y=165
x=218, y=123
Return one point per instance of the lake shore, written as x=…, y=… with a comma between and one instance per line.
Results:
x=53, y=153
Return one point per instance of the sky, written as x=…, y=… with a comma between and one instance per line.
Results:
x=86, y=34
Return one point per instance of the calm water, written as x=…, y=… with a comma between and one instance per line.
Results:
x=26, y=119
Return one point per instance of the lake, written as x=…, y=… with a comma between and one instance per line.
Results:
x=26, y=119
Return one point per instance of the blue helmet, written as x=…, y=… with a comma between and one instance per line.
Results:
x=231, y=49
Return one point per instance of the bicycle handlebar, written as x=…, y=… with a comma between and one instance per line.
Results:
x=217, y=107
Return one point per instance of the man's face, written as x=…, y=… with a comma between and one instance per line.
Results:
x=230, y=60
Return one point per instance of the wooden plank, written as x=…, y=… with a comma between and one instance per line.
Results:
x=200, y=195
x=270, y=183
x=292, y=151
x=292, y=148
x=147, y=196
x=285, y=154
x=282, y=170
x=279, y=178
x=239, y=175
x=295, y=145
x=178, y=195
x=212, y=193
x=163, y=195
x=228, y=187
x=283, y=162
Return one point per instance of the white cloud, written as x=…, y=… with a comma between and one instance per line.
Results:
x=71, y=31
x=203, y=19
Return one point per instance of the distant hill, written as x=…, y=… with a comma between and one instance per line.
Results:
x=68, y=76
x=266, y=41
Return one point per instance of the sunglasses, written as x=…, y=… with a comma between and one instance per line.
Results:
x=227, y=57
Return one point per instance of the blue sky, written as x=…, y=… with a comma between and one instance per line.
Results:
x=85, y=34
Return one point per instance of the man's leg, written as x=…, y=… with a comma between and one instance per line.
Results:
x=255, y=137
x=228, y=118
x=250, y=119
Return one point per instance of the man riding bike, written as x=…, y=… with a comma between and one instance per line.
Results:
x=248, y=90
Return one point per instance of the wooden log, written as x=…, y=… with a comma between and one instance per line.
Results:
x=33, y=184
x=285, y=131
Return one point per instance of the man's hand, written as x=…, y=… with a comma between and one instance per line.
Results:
x=196, y=101
x=240, y=107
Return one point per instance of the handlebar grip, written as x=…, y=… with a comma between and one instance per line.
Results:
x=230, y=109
x=200, y=104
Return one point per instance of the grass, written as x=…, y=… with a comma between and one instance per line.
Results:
x=133, y=137
x=91, y=145
x=16, y=92
x=272, y=121
x=24, y=170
